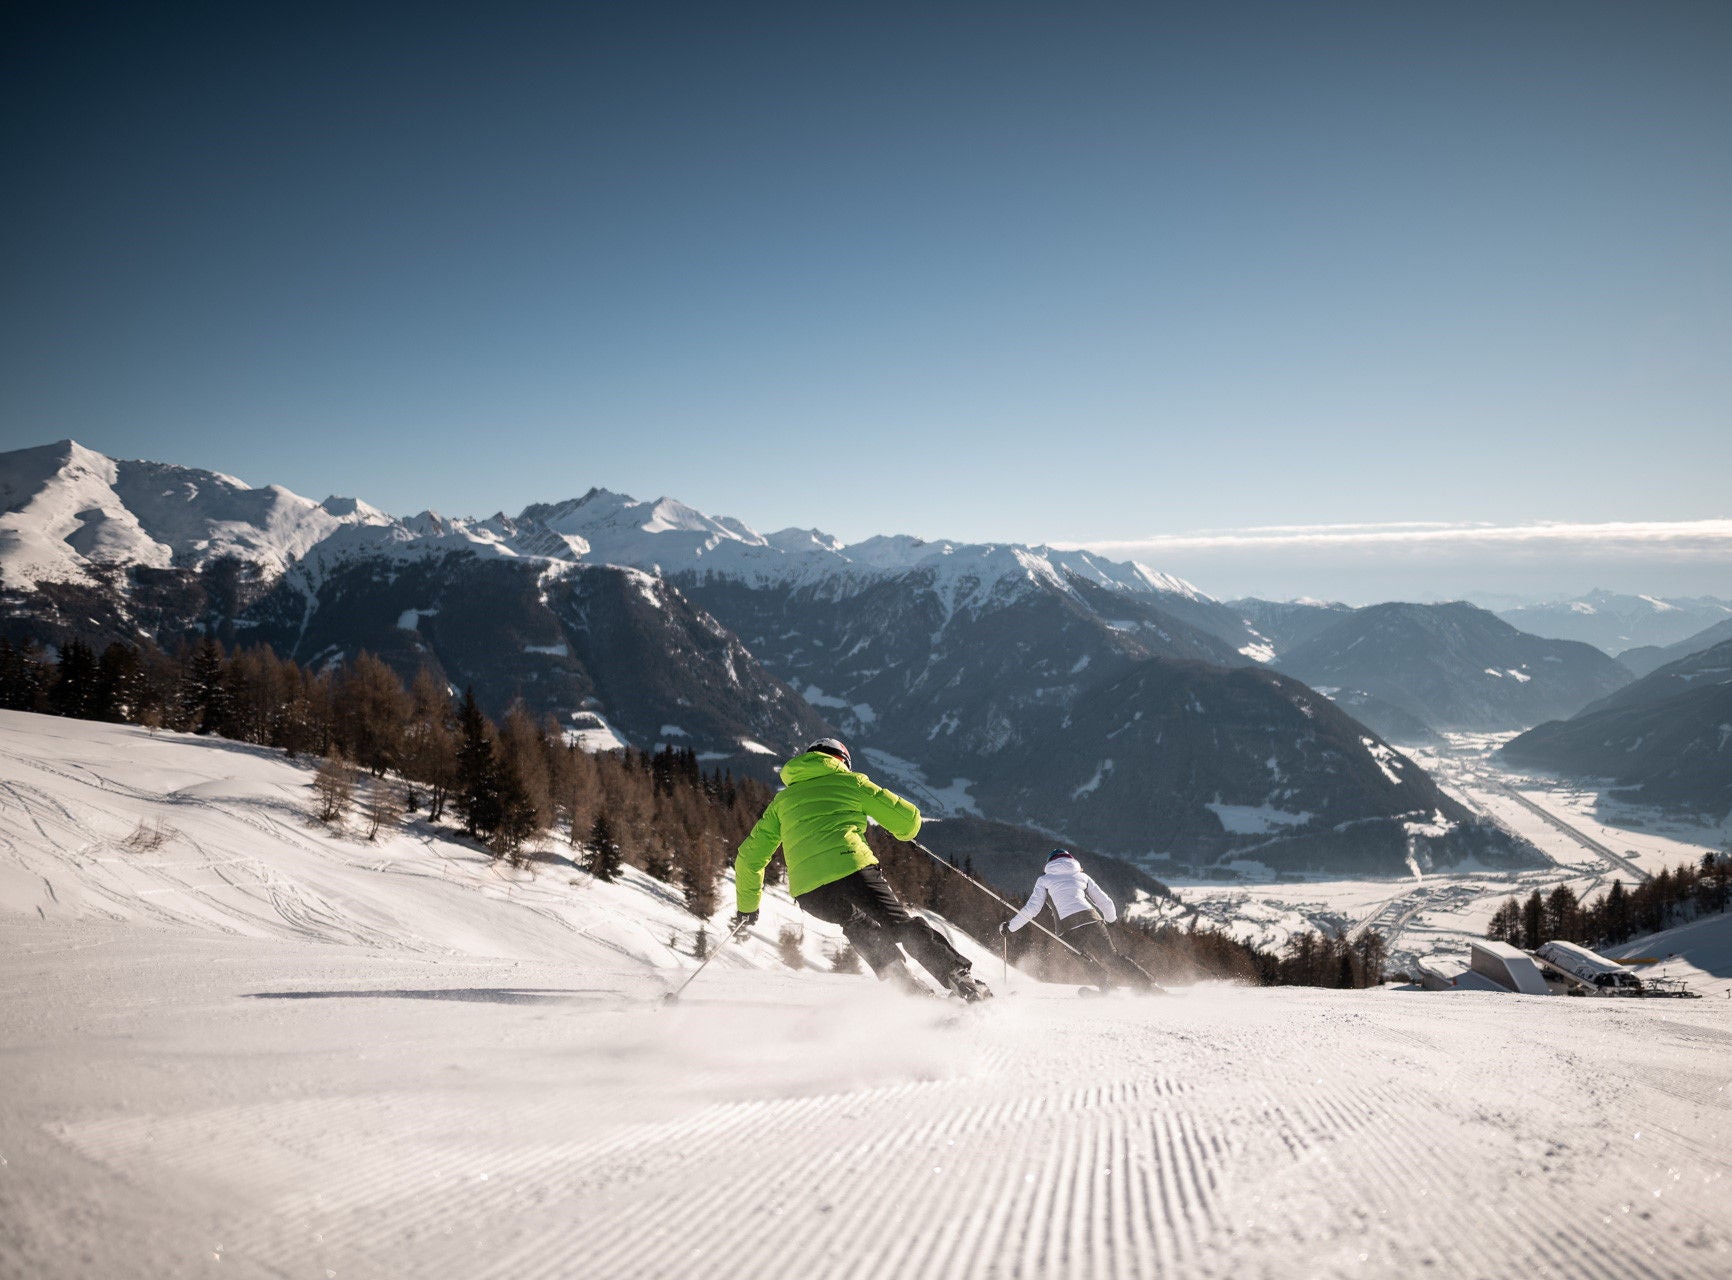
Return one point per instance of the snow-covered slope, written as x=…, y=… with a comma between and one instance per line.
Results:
x=261, y=1051
x=1699, y=954
x=239, y=857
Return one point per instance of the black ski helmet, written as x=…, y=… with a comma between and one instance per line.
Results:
x=832, y=747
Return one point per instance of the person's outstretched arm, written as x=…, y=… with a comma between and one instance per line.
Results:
x=897, y=816
x=756, y=850
x=1098, y=896
x=1036, y=901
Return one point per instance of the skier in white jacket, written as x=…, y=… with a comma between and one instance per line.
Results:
x=1084, y=910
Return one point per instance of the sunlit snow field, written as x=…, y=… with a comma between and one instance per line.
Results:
x=264, y=1050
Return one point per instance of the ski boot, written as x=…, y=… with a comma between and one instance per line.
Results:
x=967, y=987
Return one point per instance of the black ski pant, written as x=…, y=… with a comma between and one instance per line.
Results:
x=1088, y=934
x=874, y=920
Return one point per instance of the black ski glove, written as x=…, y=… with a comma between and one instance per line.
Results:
x=1004, y=926
x=743, y=920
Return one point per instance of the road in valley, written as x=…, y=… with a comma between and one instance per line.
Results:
x=1580, y=837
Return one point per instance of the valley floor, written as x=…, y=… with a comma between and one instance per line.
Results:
x=264, y=1051
x=1435, y=914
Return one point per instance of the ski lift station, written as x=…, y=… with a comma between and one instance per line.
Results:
x=1491, y=966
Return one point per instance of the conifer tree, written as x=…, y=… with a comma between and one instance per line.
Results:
x=74, y=691
x=120, y=686
x=203, y=698
x=24, y=678
x=476, y=789
x=605, y=861
x=1563, y=914
x=1534, y=921
x=1617, y=922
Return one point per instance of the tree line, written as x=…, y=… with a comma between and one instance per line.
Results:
x=513, y=785
x=1673, y=896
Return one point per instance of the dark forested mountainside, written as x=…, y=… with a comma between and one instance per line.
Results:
x=567, y=640
x=1651, y=658
x=1668, y=737
x=1454, y=666
x=1289, y=623
x=1207, y=763
x=1035, y=710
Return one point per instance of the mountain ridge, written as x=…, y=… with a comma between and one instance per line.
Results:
x=984, y=677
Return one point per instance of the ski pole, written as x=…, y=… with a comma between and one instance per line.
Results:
x=1001, y=902
x=673, y=996
x=1004, y=941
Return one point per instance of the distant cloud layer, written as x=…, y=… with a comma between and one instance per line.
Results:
x=1669, y=539
x=1427, y=560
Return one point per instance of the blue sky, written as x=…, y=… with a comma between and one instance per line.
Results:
x=1088, y=273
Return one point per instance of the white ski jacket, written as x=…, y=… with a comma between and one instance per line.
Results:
x=1071, y=891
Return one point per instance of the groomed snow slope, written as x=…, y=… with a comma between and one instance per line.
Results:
x=404, y=1072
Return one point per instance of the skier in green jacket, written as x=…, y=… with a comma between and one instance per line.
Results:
x=820, y=821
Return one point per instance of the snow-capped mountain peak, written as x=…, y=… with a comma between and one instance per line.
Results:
x=69, y=509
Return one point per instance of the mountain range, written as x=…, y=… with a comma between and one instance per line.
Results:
x=1095, y=700
x=1616, y=622
x=1449, y=666
x=1652, y=657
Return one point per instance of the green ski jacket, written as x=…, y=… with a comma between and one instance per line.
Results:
x=820, y=822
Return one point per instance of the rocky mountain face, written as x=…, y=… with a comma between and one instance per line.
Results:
x=615, y=654
x=1668, y=737
x=1615, y=622
x=1652, y=657
x=1094, y=700
x=1452, y=666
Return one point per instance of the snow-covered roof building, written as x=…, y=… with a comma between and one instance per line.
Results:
x=1445, y=975
x=1509, y=967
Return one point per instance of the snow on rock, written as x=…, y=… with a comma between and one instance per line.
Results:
x=1387, y=758
x=1095, y=779
x=591, y=731
x=907, y=778
x=1255, y=820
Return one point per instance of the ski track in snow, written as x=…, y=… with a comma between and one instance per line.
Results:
x=300, y=1056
